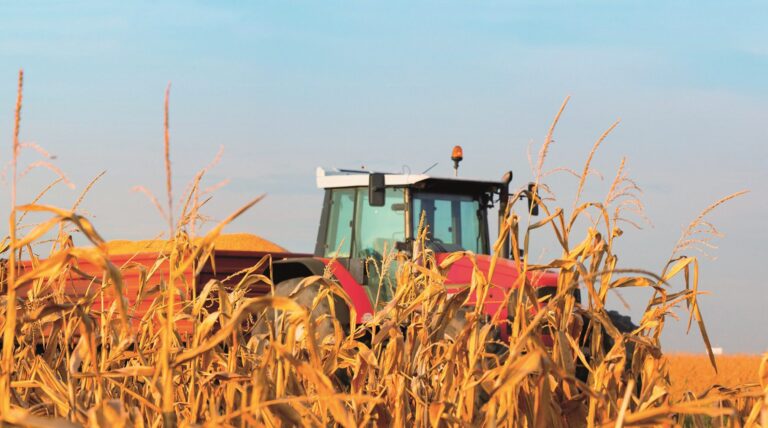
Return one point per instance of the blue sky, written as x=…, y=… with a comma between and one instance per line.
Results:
x=289, y=86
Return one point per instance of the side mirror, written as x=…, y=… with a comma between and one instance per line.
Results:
x=376, y=189
x=533, y=195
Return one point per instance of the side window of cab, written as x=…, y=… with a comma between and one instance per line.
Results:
x=338, y=241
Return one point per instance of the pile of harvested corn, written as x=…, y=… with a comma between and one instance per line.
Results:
x=233, y=241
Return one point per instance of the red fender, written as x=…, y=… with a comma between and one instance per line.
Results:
x=504, y=277
x=354, y=290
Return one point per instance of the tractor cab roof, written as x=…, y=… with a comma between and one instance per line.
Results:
x=360, y=178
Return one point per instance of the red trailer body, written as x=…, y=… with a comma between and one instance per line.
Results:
x=87, y=282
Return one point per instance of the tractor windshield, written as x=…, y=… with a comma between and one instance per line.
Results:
x=453, y=221
x=358, y=230
x=379, y=228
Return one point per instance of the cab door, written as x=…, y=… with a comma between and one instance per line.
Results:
x=358, y=234
x=376, y=232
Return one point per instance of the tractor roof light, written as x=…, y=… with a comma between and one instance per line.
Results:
x=457, y=155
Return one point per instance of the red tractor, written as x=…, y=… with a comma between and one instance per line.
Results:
x=366, y=214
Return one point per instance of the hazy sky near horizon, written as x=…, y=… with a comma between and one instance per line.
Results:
x=285, y=87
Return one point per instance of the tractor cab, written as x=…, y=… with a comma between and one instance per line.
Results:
x=370, y=214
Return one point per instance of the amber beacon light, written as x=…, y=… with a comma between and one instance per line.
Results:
x=457, y=155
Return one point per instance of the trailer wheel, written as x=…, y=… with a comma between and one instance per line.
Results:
x=321, y=314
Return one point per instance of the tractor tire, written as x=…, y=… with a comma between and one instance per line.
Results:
x=456, y=324
x=459, y=321
x=322, y=313
x=624, y=324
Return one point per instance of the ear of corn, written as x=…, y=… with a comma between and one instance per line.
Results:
x=98, y=360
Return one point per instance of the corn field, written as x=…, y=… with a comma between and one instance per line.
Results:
x=96, y=360
x=691, y=373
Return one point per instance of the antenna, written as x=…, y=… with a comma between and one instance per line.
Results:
x=433, y=165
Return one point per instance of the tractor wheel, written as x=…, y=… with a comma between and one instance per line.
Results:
x=322, y=314
x=624, y=324
x=457, y=324
x=454, y=329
